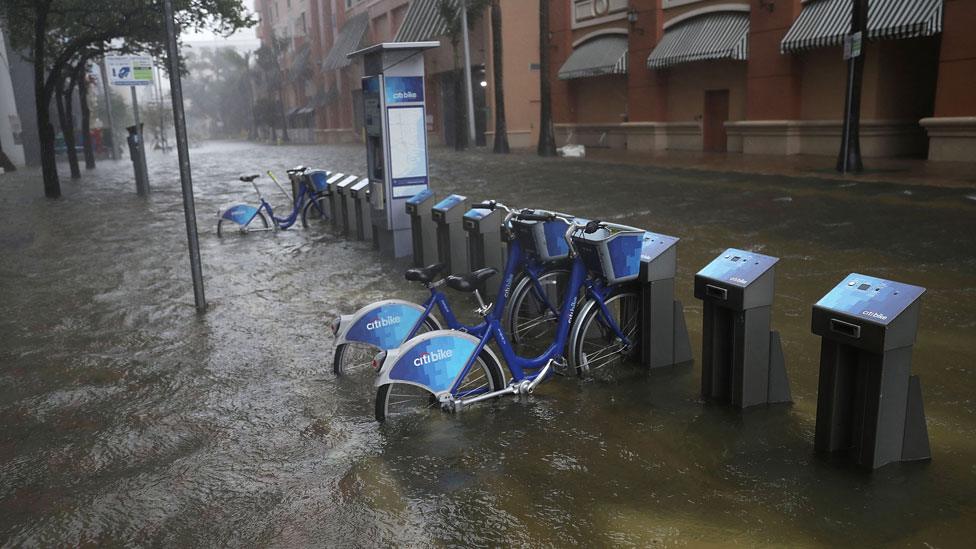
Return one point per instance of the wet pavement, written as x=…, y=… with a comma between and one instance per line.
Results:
x=129, y=419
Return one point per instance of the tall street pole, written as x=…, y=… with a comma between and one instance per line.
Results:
x=108, y=108
x=849, y=159
x=469, y=91
x=179, y=124
x=142, y=178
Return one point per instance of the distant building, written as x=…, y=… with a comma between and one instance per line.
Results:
x=765, y=76
x=11, y=139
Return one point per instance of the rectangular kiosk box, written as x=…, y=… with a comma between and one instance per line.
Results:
x=742, y=360
x=869, y=406
x=395, y=124
x=331, y=193
x=423, y=233
x=664, y=333
x=345, y=203
x=361, y=226
x=452, y=249
x=484, y=238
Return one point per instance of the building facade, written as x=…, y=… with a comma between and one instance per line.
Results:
x=763, y=76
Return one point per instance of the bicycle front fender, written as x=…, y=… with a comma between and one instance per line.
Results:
x=242, y=214
x=434, y=360
x=384, y=324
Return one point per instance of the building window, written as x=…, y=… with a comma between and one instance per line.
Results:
x=351, y=3
x=585, y=11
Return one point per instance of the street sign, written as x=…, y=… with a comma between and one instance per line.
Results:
x=852, y=46
x=130, y=70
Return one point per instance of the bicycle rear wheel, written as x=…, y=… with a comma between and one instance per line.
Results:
x=315, y=213
x=258, y=221
x=596, y=351
x=530, y=319
x=399, y=400
x=353, y=358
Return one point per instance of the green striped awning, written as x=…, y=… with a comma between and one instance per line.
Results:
x=349, y=40
x=423, y=21
x=825, y=22
x=596, y=57
x=718, y=35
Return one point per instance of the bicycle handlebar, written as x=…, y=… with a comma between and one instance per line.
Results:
x=296, y=170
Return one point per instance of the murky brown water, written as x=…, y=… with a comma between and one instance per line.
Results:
x=128, y=419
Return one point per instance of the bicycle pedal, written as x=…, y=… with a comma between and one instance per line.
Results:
x=559, y=366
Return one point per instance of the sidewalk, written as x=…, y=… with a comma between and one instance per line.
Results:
x=903, y=171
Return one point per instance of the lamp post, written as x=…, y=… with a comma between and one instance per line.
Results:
x=849, y=159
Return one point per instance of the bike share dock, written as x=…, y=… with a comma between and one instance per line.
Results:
x=664, y=333
x=423, y=232
x=742, y=360
x=362, y=227
x=331, y=183
x=345, y=203
x=484, y=237
x=869, y=406
x=452, y=248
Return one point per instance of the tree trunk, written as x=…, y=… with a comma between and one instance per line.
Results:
x=86, y=117
x=42, y=102
x=460, y=110
x=281, y=110
x=547, y=137
x=501, y=126
x=69, y=131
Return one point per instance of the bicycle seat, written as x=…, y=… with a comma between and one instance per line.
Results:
x=471, y=281
x=424, y=274
x=249, y=178
x=296, y=170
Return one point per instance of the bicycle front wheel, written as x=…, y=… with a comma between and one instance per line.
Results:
x=314, y=213
x=257, y=222
x=354, y=358
x=530, y=319
x=596, y=349
x=399, y=400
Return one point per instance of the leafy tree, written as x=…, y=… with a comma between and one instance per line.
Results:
x=269, y=57
x=501, y=126
x=450, y=13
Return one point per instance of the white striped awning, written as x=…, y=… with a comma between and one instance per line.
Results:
x=423, y=21
x=350, y=39
x=824, y=23
x=718, y=35
x=596, y=57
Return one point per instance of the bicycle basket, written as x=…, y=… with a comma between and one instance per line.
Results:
x=611, y=253
x=317, y=180
x=542, y=239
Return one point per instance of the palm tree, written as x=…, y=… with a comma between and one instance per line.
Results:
x=547, y=138
x=501, y=127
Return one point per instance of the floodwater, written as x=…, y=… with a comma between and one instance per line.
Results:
x=129, y=419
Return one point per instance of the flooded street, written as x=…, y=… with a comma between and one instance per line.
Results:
x=129, y=419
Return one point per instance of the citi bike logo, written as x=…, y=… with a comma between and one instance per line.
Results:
x=738, y=280
x=508, y=286
x=873, y=314
x=433, y=356
x=409, y=95
x=383, y=322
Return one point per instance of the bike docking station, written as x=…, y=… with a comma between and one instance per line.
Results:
x=317, y=181
x=664, y=333
x=452, y=249
x=423, y=233
x=344, y=203
x=396, y=137
x=331, y=194
x=742, y=360
x=484, y=238
x=869, y=406
x=362, y=227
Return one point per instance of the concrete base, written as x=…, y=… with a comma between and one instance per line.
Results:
x=879, y=138
x=517, y=139
x=637, y=136
x=951, y=138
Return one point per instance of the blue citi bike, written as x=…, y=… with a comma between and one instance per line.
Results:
x=309, y=203
x=452, y=369
x=536, y=274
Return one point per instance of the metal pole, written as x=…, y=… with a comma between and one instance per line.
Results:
x=849, y=159
x=467, y=71
x=142, y=175
x=108, y=107
x=179, y=124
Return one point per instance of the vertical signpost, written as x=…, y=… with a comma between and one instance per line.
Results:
x=849, y=159
x=132, y=71
x=108, y=107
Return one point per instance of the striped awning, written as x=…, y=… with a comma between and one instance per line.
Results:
x=596, y=57
x=349, y=40
x=718, y=35
x=423, y=21
x=825, y=22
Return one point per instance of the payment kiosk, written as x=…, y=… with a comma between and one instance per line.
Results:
x=742, y=360
x=423, y=234
x=362, y=227
x=396, y=137
x=452, y=249
x=664, y=334
x=869, y=406
x=484, y=238
x=345, y=203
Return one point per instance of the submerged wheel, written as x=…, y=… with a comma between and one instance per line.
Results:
x=530, y=320
x=595, y=348
x=315, y=212
x=394, y=400
x=258, y=218
x=353, y=358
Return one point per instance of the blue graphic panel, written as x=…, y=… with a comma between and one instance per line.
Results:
x=420, y=197
x=656, y=244
x=319, y=180
x=404, y=89
x=435, y=362
x=738, y=267
x=242, y=214
x=449, y=202
x=386, y=327
x=371, y=84
x=555, y=232
x=476, y=213
x=625, y=254
x=871, y=298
